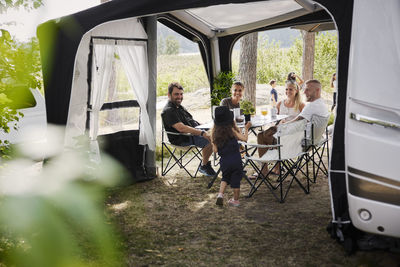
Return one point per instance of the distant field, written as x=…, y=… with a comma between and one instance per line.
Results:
x=188, y=70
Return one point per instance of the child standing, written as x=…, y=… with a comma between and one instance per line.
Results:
x=224, y=138
x=274, y=93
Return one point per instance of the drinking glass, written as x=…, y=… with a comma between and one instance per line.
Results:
x=264, y=112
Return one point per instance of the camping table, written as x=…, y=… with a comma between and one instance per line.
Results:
x=257, y=122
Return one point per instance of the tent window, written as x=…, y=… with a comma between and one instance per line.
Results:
x=121, y=119
x=121, y=111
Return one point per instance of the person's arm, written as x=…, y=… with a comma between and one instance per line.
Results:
x=215, y=148
x=295, y=119
x=182, y=128
x=224, y=102
x=300, y=80
x=302, y=105
x=272, y=97
x=278, y=107
x=245, y=135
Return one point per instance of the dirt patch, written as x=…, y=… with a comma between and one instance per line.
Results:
x=173, y=221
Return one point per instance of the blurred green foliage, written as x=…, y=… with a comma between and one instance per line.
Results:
x=26, y=4
x=247, y=107
x=168, y=46
x=55, y=216
x=222, y=87
x=171, y=45
x=20, y=69
x=275, y=62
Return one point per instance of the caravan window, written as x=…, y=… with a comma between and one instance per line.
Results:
x=120, y=111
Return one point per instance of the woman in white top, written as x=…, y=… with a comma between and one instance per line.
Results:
x=292, y=105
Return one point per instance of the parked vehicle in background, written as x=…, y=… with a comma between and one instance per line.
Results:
x=31, y=128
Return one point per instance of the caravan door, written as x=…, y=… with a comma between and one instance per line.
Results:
x=373, y=118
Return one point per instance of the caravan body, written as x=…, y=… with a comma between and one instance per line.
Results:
x=372, y=130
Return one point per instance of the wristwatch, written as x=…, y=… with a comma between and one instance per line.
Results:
x=202, y=132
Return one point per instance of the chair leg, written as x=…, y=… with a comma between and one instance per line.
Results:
x=179, y=161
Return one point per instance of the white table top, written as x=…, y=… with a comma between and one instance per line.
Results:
x=256, y=121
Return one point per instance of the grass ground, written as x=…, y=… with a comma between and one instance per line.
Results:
x=173, y=221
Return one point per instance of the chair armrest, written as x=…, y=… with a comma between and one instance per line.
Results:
x=186, y=134
x=259, y=145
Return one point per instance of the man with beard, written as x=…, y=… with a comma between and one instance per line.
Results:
x=177, y=119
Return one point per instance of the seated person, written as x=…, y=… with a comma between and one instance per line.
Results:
x=177, y=119
x=316, y=106
x=292, y=105
x=237, y=94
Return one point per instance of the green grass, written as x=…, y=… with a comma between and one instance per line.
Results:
x=188, y=70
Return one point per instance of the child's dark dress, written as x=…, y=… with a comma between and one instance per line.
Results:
x=231, y=163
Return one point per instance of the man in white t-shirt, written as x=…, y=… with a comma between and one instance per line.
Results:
x=315, y=106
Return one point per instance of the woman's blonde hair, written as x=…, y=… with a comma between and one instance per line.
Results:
x=297, y=98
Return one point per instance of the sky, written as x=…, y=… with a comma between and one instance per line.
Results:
x=26, y=22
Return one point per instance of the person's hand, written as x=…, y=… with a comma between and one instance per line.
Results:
x=207, y=136
x=248, y=125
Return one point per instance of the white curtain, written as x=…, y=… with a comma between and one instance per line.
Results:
x=102, y=64
x=133, y=55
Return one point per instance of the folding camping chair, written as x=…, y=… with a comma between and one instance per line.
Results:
x=179, y=155
x=318, y=145
x=289, y=154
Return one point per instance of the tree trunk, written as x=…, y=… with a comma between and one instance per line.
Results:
x=248, y=65
x=308, y=54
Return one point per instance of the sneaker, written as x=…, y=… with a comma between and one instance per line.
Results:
x=234, y=203
x=207, y=170
x=220, y=201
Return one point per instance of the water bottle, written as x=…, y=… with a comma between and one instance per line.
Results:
x=274, y=112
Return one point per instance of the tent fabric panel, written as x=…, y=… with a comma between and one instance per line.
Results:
x=124, y=146
x=76, y=112
x=227, y=16
x=342, y=12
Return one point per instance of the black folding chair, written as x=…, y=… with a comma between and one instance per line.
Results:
x=318, y=144
x=179, y=155
x=289, y=155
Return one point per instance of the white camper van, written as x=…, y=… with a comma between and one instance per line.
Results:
x=32, y=126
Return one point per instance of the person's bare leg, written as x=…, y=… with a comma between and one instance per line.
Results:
x=206, y=153
x=236, y=193
x=277, y=168
x=222, y=187
x=261, y=151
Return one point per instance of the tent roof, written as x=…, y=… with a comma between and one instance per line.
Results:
x=226, y=19
x=229, y=19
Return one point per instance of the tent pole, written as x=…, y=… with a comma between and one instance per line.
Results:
x=89, y=82
x=151, y=29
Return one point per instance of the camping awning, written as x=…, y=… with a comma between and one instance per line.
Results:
x=222, y=20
